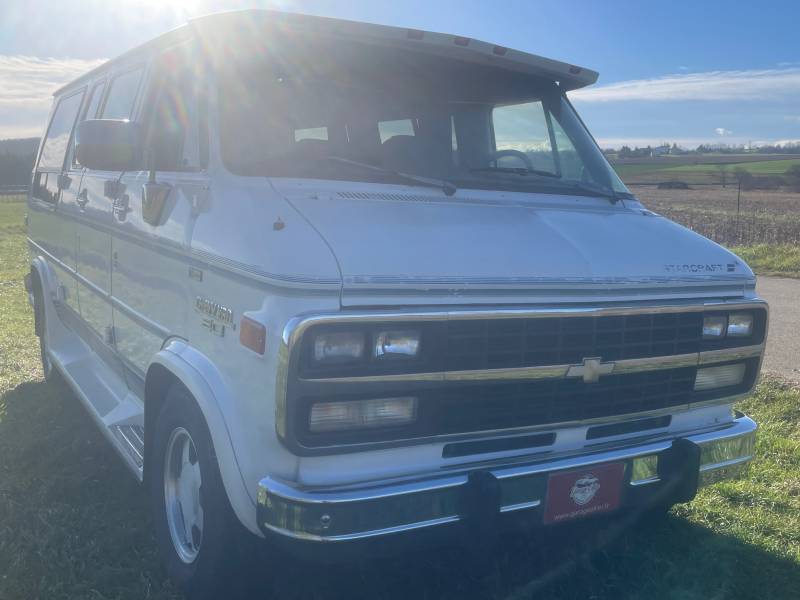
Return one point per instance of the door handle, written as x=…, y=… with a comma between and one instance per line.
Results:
x=121, y=208
x=83, y=198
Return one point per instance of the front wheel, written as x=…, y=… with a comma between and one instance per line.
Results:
x=196, y=529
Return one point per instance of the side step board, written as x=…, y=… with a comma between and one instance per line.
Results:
x=118, y=413
x=132, y=437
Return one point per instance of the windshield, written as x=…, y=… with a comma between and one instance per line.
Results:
x=515, y=133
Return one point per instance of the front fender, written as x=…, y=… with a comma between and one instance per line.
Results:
x=204, y=382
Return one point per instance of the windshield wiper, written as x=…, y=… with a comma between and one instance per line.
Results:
x=448, y=188
x=583, y=186
x=599, y=190
x=515, y=171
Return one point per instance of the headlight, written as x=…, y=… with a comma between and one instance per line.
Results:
x=396, y=344
x=709, y=378
x=338, y=346
x=362, y=414
x=740, y=324
x=714, y=327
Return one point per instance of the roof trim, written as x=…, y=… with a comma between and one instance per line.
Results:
x=570, y=77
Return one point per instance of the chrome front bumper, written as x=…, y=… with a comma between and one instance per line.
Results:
x=379, y=508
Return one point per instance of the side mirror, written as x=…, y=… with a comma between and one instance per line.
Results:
x=109, y=145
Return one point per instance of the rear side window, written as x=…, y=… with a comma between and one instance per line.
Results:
x=119, y=104
x=311, y=133
x=58, y=134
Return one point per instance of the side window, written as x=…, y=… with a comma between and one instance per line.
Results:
x=311, y=133
x=93, y=103
x=119, y=104
x=177, y=131
x=390, y=129
x=523, y=128
x=569, y=159
x=94, y=100
x=58, y=136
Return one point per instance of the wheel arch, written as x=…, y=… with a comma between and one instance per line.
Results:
x=41, y=281
x=180, y=364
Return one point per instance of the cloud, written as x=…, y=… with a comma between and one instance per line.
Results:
x=764, y=84
x=27, y=85
x=721, y=131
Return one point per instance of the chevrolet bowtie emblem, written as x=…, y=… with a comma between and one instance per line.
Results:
x=591, y=369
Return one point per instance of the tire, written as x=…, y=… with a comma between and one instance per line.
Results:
x=40, y=326
x=199, y=545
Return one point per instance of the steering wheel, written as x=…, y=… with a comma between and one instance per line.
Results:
x=495, y=156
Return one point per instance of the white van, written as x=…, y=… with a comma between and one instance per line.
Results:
x=327, y=281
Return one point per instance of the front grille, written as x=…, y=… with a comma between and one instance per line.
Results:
x=501, y=406
x=469, y=405
x=504, y=343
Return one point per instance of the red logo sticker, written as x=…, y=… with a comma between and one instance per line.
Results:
x=580, y=493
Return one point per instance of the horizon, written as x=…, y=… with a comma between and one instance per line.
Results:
x=682, y=74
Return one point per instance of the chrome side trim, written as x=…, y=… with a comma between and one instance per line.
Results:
x=211, y=260
x=341, y=496
x=297, y=535
x=134, y=315
x=520, y=506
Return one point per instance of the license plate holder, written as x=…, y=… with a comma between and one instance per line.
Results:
x=583, y=492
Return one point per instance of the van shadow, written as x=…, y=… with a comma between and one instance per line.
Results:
x=73, y=523
x=648, y=557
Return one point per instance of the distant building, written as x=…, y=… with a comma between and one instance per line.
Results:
x=660, y=150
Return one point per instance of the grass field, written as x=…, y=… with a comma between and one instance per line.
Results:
x=699, y=169
x=73, y=523
x=765, y=232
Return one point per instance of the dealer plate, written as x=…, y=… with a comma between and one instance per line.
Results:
x=583, y=492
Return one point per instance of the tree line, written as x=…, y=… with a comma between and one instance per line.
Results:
x=15, y=169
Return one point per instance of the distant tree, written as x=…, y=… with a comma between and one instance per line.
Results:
x=15, y=169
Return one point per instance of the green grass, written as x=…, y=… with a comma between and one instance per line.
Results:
x=782, y=260
x=73, y=523
x=694, y=169
x=765, y=167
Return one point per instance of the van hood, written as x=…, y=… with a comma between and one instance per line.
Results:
x=407, y=245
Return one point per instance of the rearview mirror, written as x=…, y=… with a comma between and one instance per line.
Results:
x=109, y=145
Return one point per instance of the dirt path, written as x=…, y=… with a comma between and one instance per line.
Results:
x=783, y=344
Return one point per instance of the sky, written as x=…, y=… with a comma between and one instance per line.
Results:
x=679, y=71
